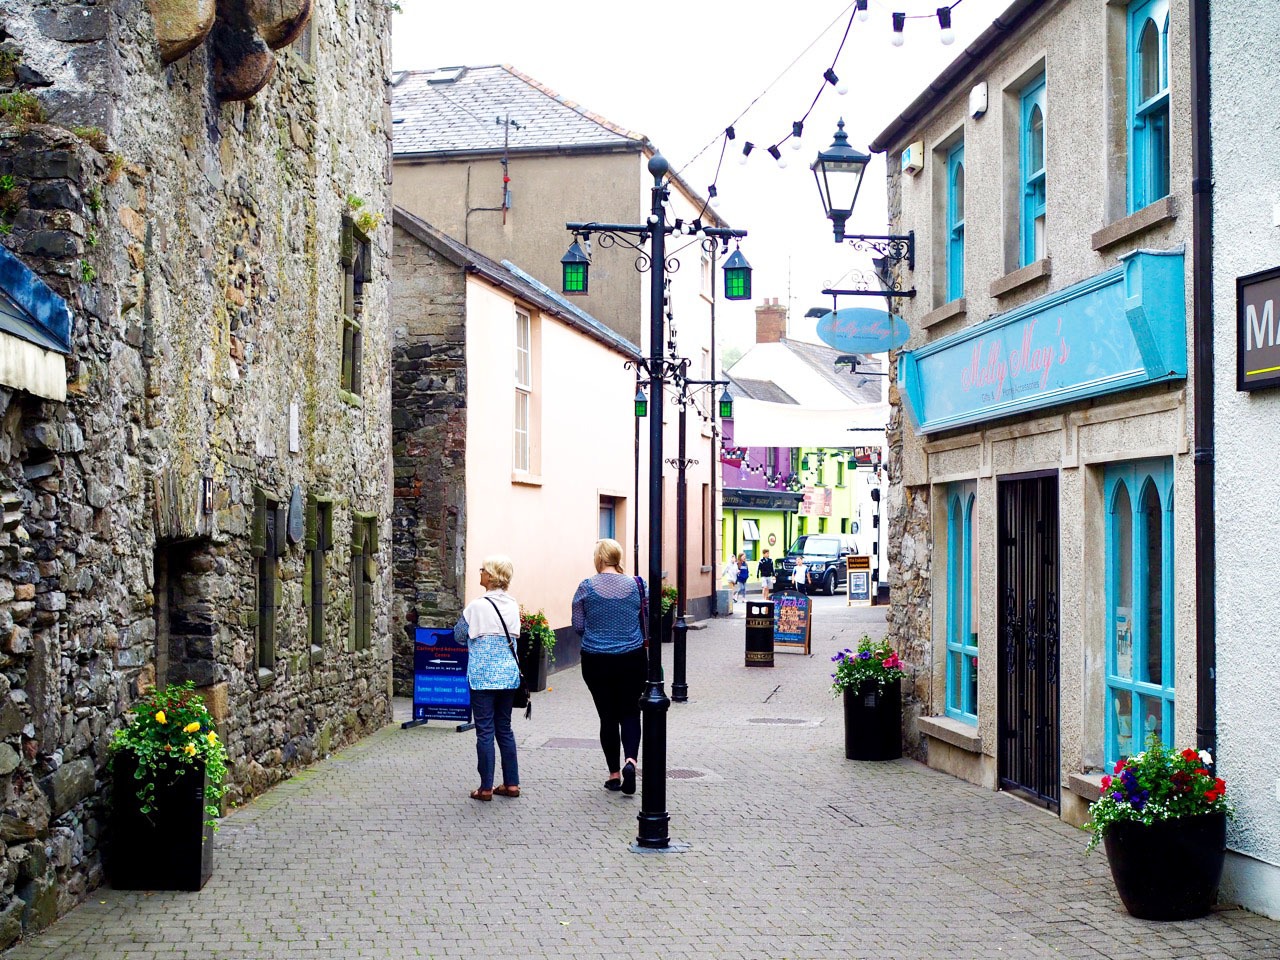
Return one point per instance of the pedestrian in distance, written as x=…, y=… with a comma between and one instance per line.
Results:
x=608, y=615
x=493, y=673
x=743, y=574
x=765, y=571
x=800, y=577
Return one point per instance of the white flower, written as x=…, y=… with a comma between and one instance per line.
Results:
x=1206, y=758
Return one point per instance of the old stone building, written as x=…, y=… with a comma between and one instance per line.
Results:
x=202, y=189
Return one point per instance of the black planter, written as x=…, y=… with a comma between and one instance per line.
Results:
x=668, y=625
x=873, y=722
x=170, y=848
x=533, y=662
x=1170, y=869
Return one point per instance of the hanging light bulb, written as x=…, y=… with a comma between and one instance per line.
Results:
x=777, y=155
x=863, y=13
x=746, y=152
x=797, y=134
x=711, y=192
x=944, y=21
x=899, y=23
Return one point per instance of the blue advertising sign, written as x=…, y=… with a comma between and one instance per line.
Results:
x=1121, y=329
x=440, y=690
x=791, y=624
x=863, y=330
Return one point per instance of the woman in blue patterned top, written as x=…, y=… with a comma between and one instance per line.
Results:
x=493, y=673
x=606, y=614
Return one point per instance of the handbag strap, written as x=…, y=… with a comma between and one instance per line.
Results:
x=510, y=643
x=644, y=609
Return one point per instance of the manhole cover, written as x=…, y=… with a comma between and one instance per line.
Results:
x=572, y=743
x=680, y=774
x=780, y=721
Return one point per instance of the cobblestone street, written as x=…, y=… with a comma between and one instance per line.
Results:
x=794, y=851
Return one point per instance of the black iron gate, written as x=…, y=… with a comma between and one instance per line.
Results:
x=1028, y=648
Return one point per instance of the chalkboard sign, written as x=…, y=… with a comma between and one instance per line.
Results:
x=792, y=625
x=859, y=583
x=440, y=690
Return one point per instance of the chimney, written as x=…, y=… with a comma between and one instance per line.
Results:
x=771, y=321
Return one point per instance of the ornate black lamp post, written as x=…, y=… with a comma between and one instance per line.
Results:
x=654, y=821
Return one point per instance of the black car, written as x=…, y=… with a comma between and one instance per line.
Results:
x=826, y=568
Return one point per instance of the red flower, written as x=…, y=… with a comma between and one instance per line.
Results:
x=1220, y=785
x=1202, y=772
x=1190, y=755
x=1106, y=782
x=1119, y=766
x=1211, y=795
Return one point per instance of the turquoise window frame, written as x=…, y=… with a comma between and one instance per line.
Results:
x=1034, y=184
x=1134, y=478
x=955, y=224
x=962, y=644
x=1148, y=117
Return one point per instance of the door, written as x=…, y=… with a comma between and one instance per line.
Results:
x=1027, y=572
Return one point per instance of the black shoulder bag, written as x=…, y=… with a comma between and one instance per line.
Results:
x=521, y=699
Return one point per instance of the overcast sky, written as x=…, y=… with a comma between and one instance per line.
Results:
x=681, y=76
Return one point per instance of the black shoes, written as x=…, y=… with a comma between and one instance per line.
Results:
x=612, y=784
x=629, y=777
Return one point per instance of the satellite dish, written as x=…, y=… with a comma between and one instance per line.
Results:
x=862, y=330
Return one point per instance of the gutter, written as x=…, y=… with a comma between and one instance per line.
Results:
x=1202, y=340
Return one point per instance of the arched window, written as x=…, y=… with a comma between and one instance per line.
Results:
x=1033, y=172
x=955, y=222
x=962, y=607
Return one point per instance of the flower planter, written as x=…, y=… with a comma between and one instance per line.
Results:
x=873, y=721
x=170, y=848
x=533, y=662
x=1170, y=869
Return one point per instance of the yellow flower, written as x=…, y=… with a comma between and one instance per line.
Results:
x=160, y=717
x=189, y=749
x=191, y=727
x=213, y=737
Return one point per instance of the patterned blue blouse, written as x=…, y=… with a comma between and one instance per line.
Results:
x=490, y=665
x=606, y=613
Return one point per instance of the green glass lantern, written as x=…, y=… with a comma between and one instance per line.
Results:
x=575, y=264
x=737, y=277
x=726, y=405
x=642, y=403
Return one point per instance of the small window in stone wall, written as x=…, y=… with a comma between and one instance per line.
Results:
x=355, y=274
x=318, y=542
x=268, y=545
x=364, y=571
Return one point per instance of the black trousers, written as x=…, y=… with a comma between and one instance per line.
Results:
x=616, y=682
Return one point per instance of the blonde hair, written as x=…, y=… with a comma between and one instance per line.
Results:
x=608, y=554
x=500, y=570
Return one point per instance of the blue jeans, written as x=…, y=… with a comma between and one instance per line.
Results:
x=491, y=710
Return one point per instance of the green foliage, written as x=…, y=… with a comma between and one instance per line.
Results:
x=7, y=182
x=540, y=630
x=21, y=108
x=87, y=273
x=91, y=239
x=874, y=660
x=96, y=137
x=354, y=203
x=171, y=729
x=1157, y=784
x=368, y=222
x=95, y=199
x=669, y=597
x=5, y=228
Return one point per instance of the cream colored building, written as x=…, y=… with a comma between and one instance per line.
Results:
x=1040, y=531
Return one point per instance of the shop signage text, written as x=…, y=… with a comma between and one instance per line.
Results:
x=1257, y=339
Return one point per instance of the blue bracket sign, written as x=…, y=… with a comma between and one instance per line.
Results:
x=1122, y=329
x=862, y=330
x=440, y=689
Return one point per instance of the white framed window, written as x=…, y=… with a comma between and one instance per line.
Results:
x=524, y=391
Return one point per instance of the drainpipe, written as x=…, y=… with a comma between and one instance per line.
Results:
x=1202, y=334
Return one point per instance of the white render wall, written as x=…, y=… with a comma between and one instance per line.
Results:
x=1246, y=171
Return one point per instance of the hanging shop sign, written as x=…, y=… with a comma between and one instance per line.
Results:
x=1121, y=329
x=1257, y=339
x=862, y=330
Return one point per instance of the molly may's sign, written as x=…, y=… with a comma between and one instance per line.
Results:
x=1257, y=339
x=1121, y=329
x=862, y=330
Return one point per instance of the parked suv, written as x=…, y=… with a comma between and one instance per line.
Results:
x=824, y=560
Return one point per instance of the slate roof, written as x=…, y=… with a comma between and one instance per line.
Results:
x=457, y=110
x=29, y=309
x=822, y=359
x=511, y=278
x=758, y=390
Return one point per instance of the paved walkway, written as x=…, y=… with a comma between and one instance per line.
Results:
x=794, y=852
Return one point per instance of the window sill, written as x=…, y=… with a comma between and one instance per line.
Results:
x=956, y=308
x=1085, y=785
x=266, y=677
x=525, y=479
x=962, y=735
x=1020, y=278
x=351, y=399
x=1152, y=215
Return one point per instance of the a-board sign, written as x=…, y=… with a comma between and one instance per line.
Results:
x=792, y=624
x=440, y=690
x=858, y=567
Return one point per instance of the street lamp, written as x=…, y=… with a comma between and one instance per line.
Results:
x=838, y=171
x=654, y=821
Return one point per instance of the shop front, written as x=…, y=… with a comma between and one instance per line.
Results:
x=1050, y=447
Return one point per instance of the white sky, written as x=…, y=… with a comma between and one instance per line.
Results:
x=682, y=75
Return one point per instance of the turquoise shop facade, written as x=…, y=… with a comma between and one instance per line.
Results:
x=1051, y=441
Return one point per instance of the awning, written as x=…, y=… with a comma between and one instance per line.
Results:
x=750, y=531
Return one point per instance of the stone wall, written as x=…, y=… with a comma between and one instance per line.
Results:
x=429, y=395
x=199, y=244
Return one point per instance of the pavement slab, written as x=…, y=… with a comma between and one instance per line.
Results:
x=794, y=853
